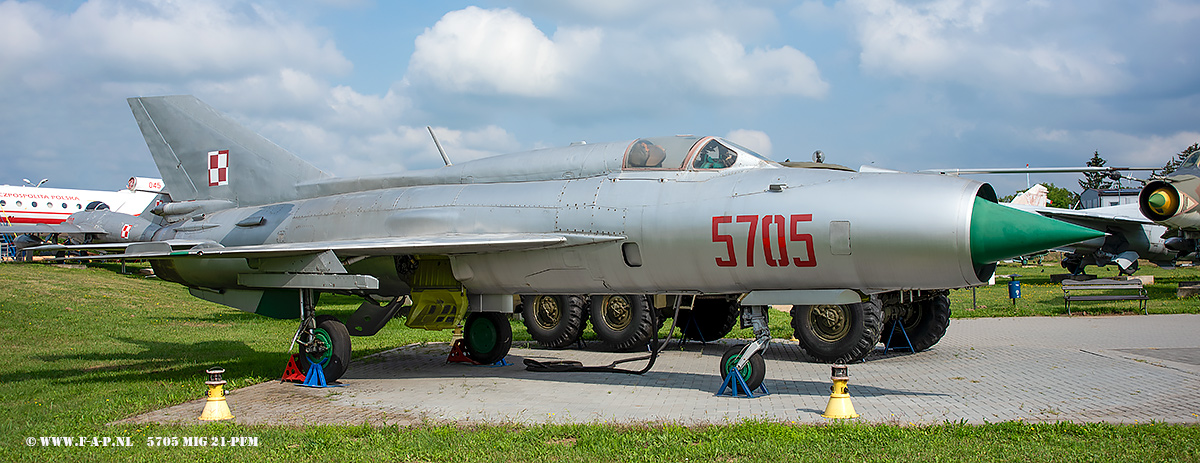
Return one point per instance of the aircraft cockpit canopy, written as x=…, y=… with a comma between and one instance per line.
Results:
x=1190, y=161
x=96, y=206
x=688, y=152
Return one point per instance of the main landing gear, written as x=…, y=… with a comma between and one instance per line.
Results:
x=323, y=340
x=838, y=333
x=487, y=336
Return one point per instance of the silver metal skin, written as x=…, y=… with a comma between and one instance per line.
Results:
x=573, y=216
x=654, y=216
x=683, y=223
x=704, y=232
x=1111, y=170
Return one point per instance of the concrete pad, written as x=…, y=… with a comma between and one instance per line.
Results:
x=1119, y=369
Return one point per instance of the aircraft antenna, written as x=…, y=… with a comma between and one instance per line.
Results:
x=439, y=145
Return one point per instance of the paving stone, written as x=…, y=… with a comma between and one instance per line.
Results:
x=1119, y=369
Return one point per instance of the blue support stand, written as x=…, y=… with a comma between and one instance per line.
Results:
x=692, y=323
x=735, y=382
x=316, y=377
x=897, y=326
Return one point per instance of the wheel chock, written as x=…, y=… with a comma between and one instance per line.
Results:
x=839, y=406
x=292, y=373
x=735, y=383
x=316, y=377
x=216, y=408
x=458, y=354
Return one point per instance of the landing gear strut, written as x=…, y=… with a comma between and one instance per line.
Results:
x=323, y=340
x=747, y=359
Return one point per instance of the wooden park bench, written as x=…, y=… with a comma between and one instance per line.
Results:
x=1113, y=290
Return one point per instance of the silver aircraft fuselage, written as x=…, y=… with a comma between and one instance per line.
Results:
x=752, y=226
x=256, y=228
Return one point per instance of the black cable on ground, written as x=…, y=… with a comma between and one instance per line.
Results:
x=577, y=366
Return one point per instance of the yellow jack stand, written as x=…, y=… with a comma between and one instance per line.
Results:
x=839, y=401
x=216, y=408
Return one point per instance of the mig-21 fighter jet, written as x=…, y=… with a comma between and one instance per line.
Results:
x=620, y=230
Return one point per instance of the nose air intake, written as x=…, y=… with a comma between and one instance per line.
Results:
x=1159, y=201
x=1000, y=232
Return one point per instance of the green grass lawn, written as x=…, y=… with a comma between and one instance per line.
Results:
x=88, y=346
x=1040, y=297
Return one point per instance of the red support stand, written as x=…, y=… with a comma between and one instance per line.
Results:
x=458, y=355
x=292, y=373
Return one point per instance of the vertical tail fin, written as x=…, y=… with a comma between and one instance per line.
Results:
x=1034, y=196
x=203, y=154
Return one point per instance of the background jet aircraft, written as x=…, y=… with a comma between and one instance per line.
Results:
x=1130, y=236
x=1172, y=202
x=30, y=205
x=618, y=229
x=30, y=212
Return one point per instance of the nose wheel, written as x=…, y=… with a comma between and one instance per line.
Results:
x=752, y=372
x=742, y=367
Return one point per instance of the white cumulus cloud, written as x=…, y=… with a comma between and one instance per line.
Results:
x=498, y=51
x=114, y=40
x=756, y=140
x=985, y=43
x=720, y=64
x=481, y=51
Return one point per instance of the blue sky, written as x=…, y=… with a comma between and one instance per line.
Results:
x=350, y=85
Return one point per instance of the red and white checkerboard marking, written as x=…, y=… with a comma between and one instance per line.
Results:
x=218, y=168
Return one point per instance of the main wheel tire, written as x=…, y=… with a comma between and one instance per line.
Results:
x=754, y=371
x=710, y=319
x=488, y=337
x=622, y=322
x=332, y=334
x=925, y=324
x=553, y=321
x=838, y=333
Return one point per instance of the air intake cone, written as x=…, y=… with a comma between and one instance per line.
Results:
x=1001, y=232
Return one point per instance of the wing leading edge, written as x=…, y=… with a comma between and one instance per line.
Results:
x=1100, y=216
x=446, y=244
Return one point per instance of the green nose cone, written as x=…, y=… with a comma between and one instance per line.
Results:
x=1158, y=199
x=1000, y=232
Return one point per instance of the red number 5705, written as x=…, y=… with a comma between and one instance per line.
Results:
x=774, y=228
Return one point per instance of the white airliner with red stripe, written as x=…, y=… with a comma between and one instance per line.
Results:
x=34, y=205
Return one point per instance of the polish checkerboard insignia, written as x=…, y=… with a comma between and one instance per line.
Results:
x=218, y=168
